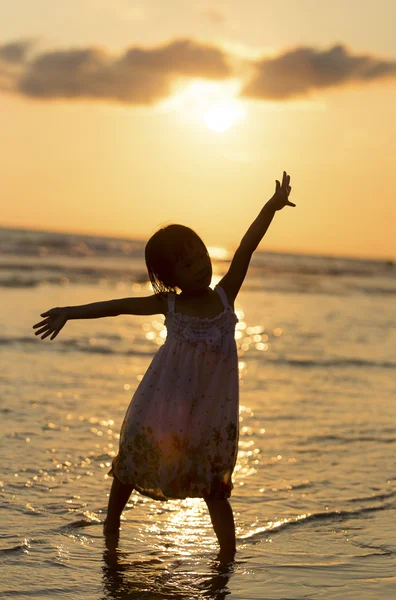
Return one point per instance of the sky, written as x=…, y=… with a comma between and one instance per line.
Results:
x=118, y=117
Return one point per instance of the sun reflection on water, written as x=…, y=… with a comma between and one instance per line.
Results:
x=182, y=527
x=247, y=337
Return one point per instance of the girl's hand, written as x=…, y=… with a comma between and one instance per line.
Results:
x=55, y=320
x=281, y=197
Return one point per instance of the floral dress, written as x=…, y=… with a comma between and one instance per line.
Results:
x=179, y=437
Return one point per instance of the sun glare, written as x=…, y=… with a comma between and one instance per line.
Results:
x=218, y=252
x=220, y=117
x=213, y=104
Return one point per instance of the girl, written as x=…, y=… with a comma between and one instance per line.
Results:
x=179, y=437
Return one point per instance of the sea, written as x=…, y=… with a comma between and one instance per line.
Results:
x=314, y=493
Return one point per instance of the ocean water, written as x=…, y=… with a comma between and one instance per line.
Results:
x=315, y=482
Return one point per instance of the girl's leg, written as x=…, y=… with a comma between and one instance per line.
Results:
x=119, y=496
x=223, y=524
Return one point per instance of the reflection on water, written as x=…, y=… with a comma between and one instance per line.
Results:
x=183, y=530
x=175, y=563
x=247, y=338
x=170, y=553
x=155, y=578
x=314, y=491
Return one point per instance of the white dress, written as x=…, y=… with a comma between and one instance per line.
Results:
x=180, y=433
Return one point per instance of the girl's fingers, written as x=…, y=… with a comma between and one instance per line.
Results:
x=286, y=179
x=55, y=334
x=40, y=324
x=46, y=334
x=42, y=330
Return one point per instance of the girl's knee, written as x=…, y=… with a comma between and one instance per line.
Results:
x=219, y=490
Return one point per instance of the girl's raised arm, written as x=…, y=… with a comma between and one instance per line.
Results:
x=233, y=279
x=56, y=318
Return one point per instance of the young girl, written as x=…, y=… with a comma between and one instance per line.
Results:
x=179, y=437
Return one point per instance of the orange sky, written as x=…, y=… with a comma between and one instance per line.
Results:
x=124, y=119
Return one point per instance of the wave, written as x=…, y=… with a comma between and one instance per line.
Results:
x=81, y=345
x=30, y=260
x=339, y=362
x=141, y=279
x=382, y=496
x=274, y=527
x=16, y=275
x=74, y=346
x=38, y=248
x=33, y=276
x=349, y=439
x=44, y=243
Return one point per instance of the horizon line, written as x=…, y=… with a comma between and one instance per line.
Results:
x=122, y=236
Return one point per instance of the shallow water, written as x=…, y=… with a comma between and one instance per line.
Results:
x=315, y=482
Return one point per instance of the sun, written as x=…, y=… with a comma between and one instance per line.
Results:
x=210, y=103
x=221, y=116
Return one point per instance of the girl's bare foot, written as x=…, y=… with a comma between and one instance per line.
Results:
x=226, y=556
x=111, y=527
x=223, y=523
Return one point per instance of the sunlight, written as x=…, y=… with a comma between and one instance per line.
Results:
x=185, y=527
x=217, y=252
x=213, y=104
x=221, y=116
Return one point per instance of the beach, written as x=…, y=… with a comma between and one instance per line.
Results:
x=314, y=493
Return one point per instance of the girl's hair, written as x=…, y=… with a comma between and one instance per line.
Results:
x=163, y=250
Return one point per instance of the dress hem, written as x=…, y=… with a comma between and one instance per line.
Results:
x=156, y=494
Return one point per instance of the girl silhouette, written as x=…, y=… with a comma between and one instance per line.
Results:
x=179, y=437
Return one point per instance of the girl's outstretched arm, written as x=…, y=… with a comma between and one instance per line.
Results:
x=232, y=281
x=56, y=318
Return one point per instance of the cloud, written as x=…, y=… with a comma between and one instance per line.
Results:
x=147, y=75
x=138, y=76
x=12, y=58
x=14, y=52
x=299, y=71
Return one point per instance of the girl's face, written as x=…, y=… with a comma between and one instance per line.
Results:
x=193, y=271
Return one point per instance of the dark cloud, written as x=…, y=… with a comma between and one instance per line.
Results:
x=139, y=76
x=12, y=58
x=146, y=75
x=182, y=57
x=14, y=52
x=299, y=71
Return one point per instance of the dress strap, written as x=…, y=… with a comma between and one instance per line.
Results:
x=171, y=302
x=222, y=295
